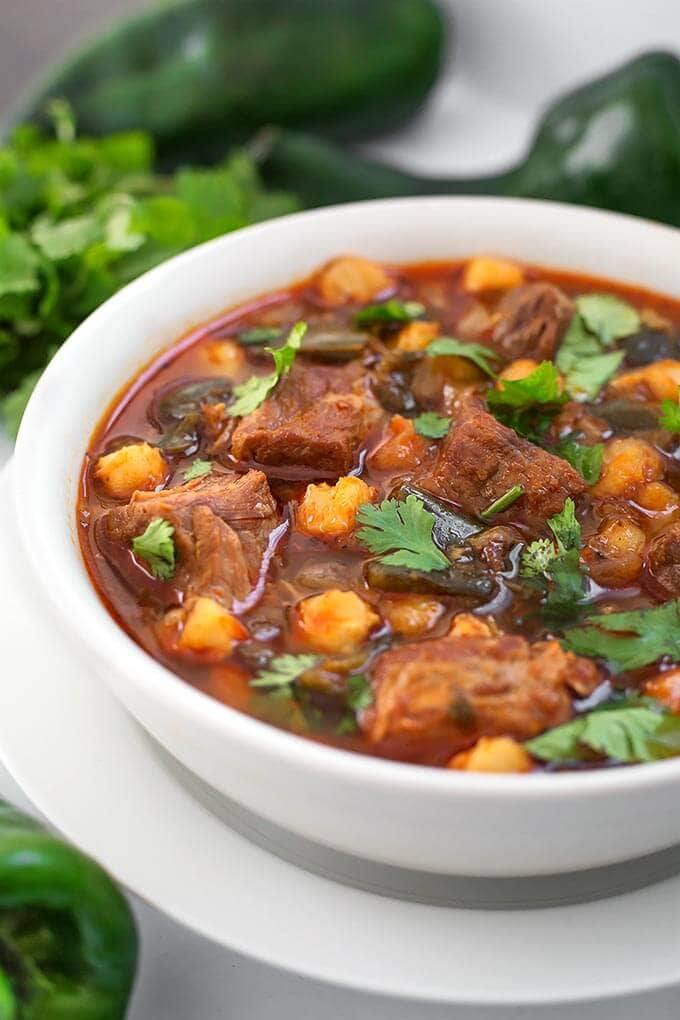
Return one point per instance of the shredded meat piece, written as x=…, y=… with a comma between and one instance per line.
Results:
x=318, y=417
x=480, y=459
x=222, y=523
x=455, y=689
x=663, y=560
x=533, y=319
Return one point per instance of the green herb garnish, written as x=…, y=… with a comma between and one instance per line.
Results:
x=528, y=405
x=587, y=460
x=608, y=317
x=282, y=672
x=477, y=353
x=198, y=469
x=389, y=311
x=432, y=425
x=670, y=415
x=503, y=502
x=559, y=562
x=631, y=639
x=81, y=217
x=628, y=734
x=403, y=529
x=259, y=335
x=359, y=692
x=254, y=391
x=156, y=547
x=583, y=362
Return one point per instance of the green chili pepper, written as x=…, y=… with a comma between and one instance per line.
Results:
x=68, y=944
x=201, y=75
x=614, y=143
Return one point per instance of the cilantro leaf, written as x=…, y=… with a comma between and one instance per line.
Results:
x=528, y=405
x=389, y=311
x=587, y=460
x=403, y=529
x=631, y=639
x=432, y=425
x=157, y=547
x=477, y=353
x=255, y=390
x=670, y=415
x=634, y=733
x=198, y=469
x=503, y=502
x=359, y=692
x=282, y=672
x=608, y=317
x=559, y=563
x=581, y=360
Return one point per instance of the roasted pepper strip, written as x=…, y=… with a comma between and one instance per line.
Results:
x=68, y=943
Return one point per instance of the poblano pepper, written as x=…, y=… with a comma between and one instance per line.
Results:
x=614, y=143
x=68, y=944
x=202, y=75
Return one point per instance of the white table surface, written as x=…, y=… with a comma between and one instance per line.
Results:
x=511, y=57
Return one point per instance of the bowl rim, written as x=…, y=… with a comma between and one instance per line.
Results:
x=108, y=641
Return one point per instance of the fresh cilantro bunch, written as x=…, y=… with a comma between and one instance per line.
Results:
x=81, y=217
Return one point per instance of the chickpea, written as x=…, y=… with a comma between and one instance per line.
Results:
x=329, y=511
x=487, y=273
x=665, y=687
x=417, y=336
x=658, y=381
x=132, y=467
x=411, y=614
x=468, y=625
x=230, y=357
x=518, y=369
x=615, y=553
x=627, y=465
x=493, y=754
x=352, y=279
x=210, y=628
x=401, y=449
x=657, y=496
x=335, y=621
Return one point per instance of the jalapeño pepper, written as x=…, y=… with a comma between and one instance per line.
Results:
x=68, y=944
x=614, y=143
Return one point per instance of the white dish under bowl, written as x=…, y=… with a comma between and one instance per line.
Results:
x=406, y=815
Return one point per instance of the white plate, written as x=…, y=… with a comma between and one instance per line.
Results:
x=91, y=770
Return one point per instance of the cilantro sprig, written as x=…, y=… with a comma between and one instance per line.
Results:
x=480, y=355
x=198, y=469
x=255, y=390
x=631, y=639
x=432, y=425
x=599, y=320
x=558, y=563
x=670, y=415
x=503, y=502
x=401, y=529
x=81, y=217
x=156, y=546
x=393, y=310
x=528, y=405
x=630, y=733
x=587, y=460
x=282, y=673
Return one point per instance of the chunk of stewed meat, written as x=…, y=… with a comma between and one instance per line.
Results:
x=318, y=417
x=532, y=321
x=456, y=689
x=480, y=460
x=663, y=561
x=222, y=523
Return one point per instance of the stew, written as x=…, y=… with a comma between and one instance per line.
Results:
x=429, y=513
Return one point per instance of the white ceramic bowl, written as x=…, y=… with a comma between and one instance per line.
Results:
x=407, y=815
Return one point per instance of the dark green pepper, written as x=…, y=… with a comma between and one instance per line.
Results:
x=68, y=944
x=614, y=143
x=201, y=75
